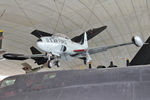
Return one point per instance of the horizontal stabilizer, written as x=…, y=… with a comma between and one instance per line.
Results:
x=143, y=55
x=90, y=34
x=39, y=33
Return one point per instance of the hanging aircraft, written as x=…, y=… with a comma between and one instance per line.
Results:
x=58, y=46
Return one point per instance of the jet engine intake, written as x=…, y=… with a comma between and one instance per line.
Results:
x=63, y=48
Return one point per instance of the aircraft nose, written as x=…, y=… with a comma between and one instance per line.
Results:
x=39, y=44
x=39, y=40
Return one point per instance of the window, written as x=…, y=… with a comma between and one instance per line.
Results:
x=47, y=40
x=49, y=76
x=7, y=82
x=50, y=40
x=55, y=40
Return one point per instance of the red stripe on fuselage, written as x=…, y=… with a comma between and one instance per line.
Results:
x=80, y=50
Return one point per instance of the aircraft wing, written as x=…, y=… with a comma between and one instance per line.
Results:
x=90, y=34
x=136, y=40
x=39, y=33
x=101, y=49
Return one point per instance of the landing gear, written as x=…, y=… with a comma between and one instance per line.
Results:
x=57, y=63
x=84, y=61
x=88, y=60
x=90, y=66
x=49, y=64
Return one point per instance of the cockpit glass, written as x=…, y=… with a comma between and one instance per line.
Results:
x=7, y=82
x=49, y=76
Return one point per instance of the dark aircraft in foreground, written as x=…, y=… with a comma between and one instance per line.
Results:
x=128, y=83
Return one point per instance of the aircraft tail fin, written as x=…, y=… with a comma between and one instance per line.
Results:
x=34, y=50
x=85, y=42
x=143, y=55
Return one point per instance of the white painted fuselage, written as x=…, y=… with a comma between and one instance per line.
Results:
x=58, y=45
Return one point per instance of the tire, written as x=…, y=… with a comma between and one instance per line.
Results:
x=57, y=63
x=49, y=64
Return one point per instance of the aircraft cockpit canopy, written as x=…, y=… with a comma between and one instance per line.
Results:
x=7, y=82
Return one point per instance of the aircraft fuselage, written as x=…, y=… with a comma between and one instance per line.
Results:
x=59, y=45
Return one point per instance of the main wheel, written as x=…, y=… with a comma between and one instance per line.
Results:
x=57, y=63
x=49, y=64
